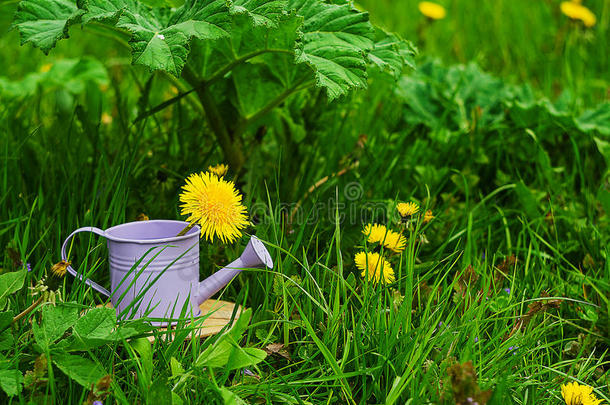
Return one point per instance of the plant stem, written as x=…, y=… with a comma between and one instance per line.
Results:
x=231, y=150
x=186, y=229
x=227, y=68
x=122, y=38
x=243, y=124
x=219, y=74
x=28, y=309
x=193, y=101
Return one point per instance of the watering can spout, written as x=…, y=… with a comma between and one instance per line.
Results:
x=255, y=255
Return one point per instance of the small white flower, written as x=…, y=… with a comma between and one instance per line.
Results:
x=160, y=36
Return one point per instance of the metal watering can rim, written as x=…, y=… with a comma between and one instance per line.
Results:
x=108, y=232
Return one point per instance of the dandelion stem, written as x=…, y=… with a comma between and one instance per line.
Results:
x=186, y=229
x=28, y=309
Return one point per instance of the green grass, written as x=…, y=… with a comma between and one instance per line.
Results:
x=506, y=173
x=521, y=40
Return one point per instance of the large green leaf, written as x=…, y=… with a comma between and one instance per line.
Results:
x=160, y=39
x=253, y=67
x=6, y=318
x=11, y=89
x=55, y=321
x=142, y=346
x=253, y=95
x=332, y=40
x=160, y=36
x=336, y=41
x=230, y=398
x=391, y=53
x=202, y=19
x=98, y=329
x=262, y=12
x=11, y=381
x=247, y=39
x=6, y=340
x=227, y=353
x=271, y=73
x=9, y=283
x=44, y=22
x=98, y=10
x=72, y=75
x=97, y=323
x=6, y=337
x=152, y=45
x=83, y=371
x=597, y=119
x=603, y=147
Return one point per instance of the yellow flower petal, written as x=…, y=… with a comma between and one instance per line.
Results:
x=59, y=268
x=407, y=209
x=432, y=10
x=380, y=234
x=428, y=216
x=375, y=233
x=376, y=267
x=577, y=11
x=576, y=394
x=215, y=205
x=219, y=170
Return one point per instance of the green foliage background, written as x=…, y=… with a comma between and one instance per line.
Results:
x=522, y=41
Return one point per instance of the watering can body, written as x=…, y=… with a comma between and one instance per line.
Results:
x=155, y=274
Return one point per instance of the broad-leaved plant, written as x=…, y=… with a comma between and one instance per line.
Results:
x=242, y=58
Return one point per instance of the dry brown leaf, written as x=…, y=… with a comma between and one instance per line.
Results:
x=278, y=349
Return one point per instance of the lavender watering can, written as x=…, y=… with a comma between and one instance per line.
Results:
x=155, y=273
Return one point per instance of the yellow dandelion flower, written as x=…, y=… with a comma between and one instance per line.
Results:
x=59, y=268
x=377, y=268
x=432, y=10
x=576, y=394
x=380, y=234
x=577, y=11
x=395, y=241
x=142, y=217
x=106, y=119
x=219, y=170
x=407, y=209
x=374, y=233
x=428, y=216
x=46, y=67
x=215, y=205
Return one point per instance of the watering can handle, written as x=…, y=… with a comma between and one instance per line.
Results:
x=76, y=274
